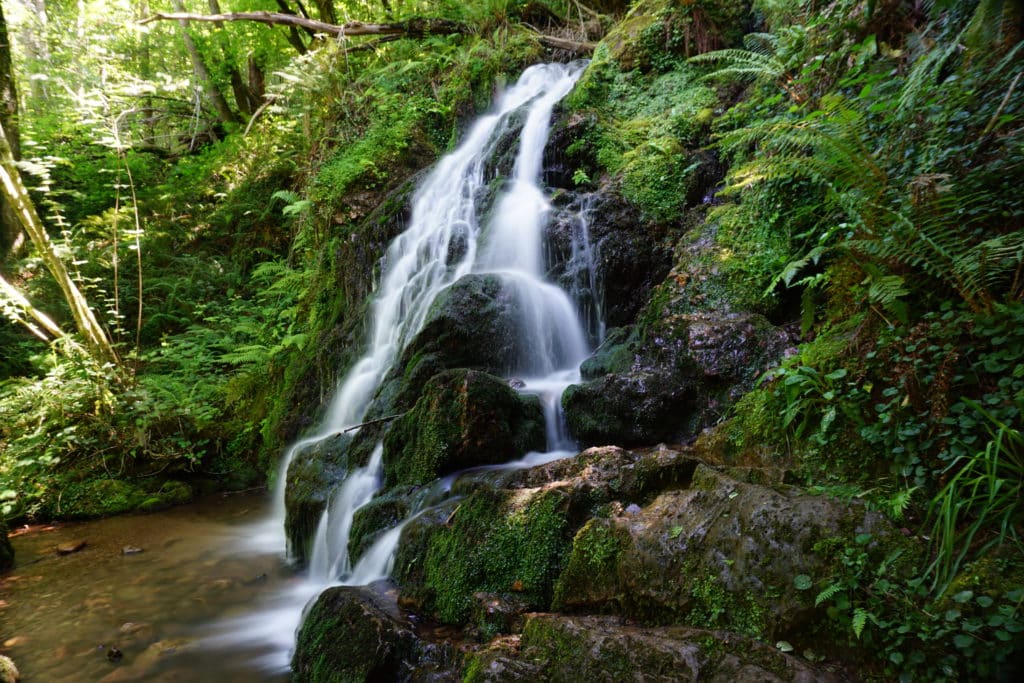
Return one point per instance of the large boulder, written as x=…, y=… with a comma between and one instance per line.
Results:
x=353, y=634
x=314, y=472
x=673, y=378
x=720, y=553
x=463, y=418
x=560, y=648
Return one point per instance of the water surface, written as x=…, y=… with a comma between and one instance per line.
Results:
x=169, y=609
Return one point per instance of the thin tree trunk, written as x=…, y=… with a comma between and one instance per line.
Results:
x=243, y=98
x=11, y=237
x=220, y=105
x=37, y=322
x=16, y=194
x=293, y=33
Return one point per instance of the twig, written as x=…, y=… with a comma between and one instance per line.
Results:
x=371, y=422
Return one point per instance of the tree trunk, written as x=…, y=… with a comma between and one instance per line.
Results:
x=326, y=9
x=293, y=33
x=17, y=196
x=220, y=105
x=37, y=322
x=243, y=98
x=11, y=236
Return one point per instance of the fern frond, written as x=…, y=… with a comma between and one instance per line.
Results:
x=766, y=44
x=860, y=620
x=827, y=594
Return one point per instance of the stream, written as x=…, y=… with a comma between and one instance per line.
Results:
x=166, y=609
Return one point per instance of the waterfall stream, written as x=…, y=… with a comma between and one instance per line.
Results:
x=417, y=266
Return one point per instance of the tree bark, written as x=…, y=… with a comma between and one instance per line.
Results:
x=16, y=195
x=11, y=236
x=37, y=322
x=243, y=98
x=213, y=93
x=293, y=33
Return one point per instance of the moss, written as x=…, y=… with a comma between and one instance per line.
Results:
x=371, y=520
x=100, y=498
x=716, y=607
x=463, y=418
x=591, y=574
x=495, y=545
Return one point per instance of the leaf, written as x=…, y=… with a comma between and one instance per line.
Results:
x=827, y=594
x=860, y=619
x=802, y=582
x=675, y=532
x=963, y=641
x=963, y=596
x=784, y=646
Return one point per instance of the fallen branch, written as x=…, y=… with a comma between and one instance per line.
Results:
x=373, y=422
x=412, y=27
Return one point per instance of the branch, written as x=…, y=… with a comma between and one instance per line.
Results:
x=566, y=44
x=412, y=27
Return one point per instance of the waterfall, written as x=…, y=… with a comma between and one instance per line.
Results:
x=417, y=266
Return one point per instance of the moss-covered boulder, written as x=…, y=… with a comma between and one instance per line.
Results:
x=463, y=418
x=720, y=553
x=373, y=519
x=561, y=648
x=685, y=372
x=493, y=541
x=6, y=550
x=352, y=635
x=314, y=472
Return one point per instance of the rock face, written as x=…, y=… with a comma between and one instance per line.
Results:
x=463, y=418
x=352, y=634
x=672, y=379
x=314, y=472
x=6, y=551
x=720, y=553
x=560, y=648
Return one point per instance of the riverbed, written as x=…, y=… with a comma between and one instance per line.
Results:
x=161, y=597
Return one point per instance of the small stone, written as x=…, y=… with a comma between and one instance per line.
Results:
x=69, y=548
x=130, y=550
x=8, y=672
x=114, y=655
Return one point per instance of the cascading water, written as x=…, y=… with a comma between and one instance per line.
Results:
x=445, y=241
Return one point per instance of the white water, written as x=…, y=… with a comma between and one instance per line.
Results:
x=416, y=269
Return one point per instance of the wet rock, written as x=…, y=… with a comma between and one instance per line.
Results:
x=720, y=553
x=604, y=649
x=501, y=662
x=353, y=634
x=508, y=542
x=686, y=370
x=312, y=476
x=373, y=519
x=495, y=613
x=629, y=255
x=463, y=418
x=71, y=547
x=8, y=671
x=6, y=550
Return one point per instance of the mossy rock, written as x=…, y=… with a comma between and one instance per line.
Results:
x=501, y=542
x=101, y=498
x=463, y=418
x=352, y=635
x=604, y=649
x=6, y=550
x=171, y=493
x=686, y=371
x=373, y=519
x=739, y=547
x=312, y=476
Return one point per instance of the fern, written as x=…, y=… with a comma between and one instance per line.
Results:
x=828, y=593
x=860, y=620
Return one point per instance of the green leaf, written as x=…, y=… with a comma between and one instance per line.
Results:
x=860, y=619
x=802, y=582
x=784, y=646
x=963, y=641
x=675, y=532
x=963, y=596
